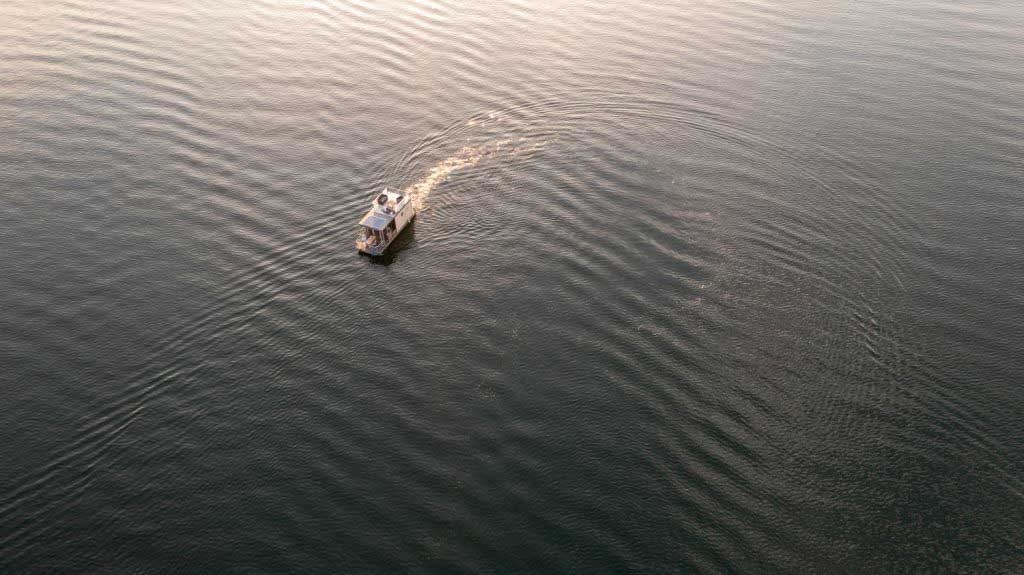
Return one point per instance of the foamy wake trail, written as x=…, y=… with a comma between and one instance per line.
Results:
x=467, y=157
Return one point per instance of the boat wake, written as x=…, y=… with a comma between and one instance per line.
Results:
x=504, y=148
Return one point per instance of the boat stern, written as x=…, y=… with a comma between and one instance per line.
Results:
x=369, y=249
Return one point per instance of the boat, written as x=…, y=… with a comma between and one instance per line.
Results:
x=389, y=214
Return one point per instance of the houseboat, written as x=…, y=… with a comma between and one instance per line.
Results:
x=389, y=213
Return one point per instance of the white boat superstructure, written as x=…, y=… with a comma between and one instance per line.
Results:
x=388, y=216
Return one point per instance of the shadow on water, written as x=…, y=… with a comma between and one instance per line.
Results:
x=404, y=240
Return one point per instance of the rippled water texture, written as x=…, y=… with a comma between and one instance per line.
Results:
x=695, y=286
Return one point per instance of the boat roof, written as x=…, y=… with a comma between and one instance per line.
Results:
x=376, y=220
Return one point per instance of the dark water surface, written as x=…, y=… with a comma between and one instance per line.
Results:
x=697, y=286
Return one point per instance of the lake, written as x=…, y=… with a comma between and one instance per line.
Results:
x=694, y=286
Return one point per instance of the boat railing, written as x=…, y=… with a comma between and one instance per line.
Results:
x=383, y=239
